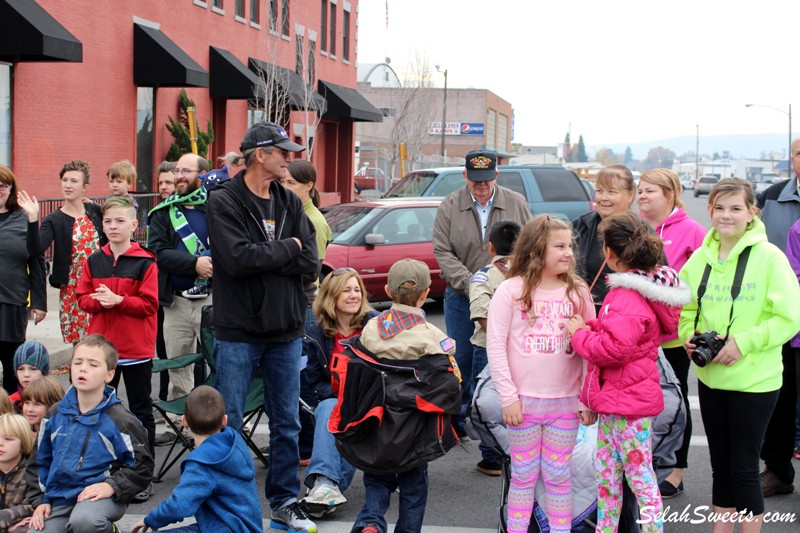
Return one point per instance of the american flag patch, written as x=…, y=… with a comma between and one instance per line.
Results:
x=448, y=344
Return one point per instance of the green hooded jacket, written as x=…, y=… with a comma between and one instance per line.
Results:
x=766, y=313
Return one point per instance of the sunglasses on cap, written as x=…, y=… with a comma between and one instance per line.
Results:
x=341, y=270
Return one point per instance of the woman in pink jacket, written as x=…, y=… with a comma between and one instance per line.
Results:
x=622, y=384
x=661, y=207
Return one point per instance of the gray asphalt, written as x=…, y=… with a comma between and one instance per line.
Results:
x=464, y=501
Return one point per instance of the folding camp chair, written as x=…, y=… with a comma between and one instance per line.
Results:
x=254, y=405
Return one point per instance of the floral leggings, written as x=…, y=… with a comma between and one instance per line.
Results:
x=623, y=446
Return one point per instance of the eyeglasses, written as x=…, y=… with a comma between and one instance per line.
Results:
x=4, y=186
x=183, y=171
x=341, y=270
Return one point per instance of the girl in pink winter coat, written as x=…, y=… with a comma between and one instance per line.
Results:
x=622, y=384
x=537, y=375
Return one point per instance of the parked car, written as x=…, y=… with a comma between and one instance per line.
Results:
x=371, y=178
x=548, y=189
x=704, y=185
x=371, y=236
x=687, y=184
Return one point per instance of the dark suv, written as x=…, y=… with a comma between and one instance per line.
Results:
x=548, y=189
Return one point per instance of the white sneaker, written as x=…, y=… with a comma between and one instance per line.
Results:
x=292, y=518
x=325, y=493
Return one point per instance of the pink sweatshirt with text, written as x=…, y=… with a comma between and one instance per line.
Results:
x=529, y=353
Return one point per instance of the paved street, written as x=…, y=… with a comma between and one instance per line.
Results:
x=462, y=500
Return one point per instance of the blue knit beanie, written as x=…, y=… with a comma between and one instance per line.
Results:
x=33, y=353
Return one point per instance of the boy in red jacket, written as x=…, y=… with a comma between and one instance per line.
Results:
x=119, y=287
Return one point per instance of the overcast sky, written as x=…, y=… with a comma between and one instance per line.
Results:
x=618, y=71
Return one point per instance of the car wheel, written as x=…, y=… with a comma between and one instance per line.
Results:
x=323, y=273
x=696, y=194
x=357, y=188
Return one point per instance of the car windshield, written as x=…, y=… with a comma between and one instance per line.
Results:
x=412, y=185
x=345, y=221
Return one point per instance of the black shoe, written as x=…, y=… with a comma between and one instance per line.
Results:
x=166, y=438
x=145, y=494
x=199, y=291
x=490, y=468
x=668, y=490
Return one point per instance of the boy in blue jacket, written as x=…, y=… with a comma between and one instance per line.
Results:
x=218, y=483
x=92, y=455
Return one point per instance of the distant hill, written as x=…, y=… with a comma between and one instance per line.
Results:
x=740, y=146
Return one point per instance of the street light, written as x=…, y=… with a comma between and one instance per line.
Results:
x=444, y=107
x=789, y=113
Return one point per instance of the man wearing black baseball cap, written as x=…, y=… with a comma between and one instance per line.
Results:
x=461, y=247
x=264, y=251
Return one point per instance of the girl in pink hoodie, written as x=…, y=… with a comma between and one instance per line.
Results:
x=622, y=386
x=536, y=374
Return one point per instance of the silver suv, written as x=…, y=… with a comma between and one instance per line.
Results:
x=704, y=185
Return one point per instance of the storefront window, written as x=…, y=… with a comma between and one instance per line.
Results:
x=145, y=139
x=5, y=113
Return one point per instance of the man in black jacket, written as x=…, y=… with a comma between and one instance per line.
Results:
x=178, y=235
x=264, y=248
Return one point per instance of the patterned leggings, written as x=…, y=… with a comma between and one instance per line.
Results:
x=623, y=446
x=541, y=444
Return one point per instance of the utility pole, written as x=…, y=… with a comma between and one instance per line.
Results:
x=697, y=157
x=444, y=108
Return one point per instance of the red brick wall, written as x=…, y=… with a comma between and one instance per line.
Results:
x=87, y=110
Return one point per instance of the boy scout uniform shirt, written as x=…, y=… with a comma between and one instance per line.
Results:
x=481, y=288
x=401, y=332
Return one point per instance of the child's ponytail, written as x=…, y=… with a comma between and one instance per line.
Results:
x=632, y=241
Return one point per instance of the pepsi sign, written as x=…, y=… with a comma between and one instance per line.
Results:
x=472, y=128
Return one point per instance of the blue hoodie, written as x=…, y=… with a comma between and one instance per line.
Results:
x=75, y=450
x=217, y=486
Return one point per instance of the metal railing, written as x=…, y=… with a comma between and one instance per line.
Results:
x=146, y=203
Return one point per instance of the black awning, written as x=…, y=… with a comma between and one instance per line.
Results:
x=230, y=78
x=159, y=62
x=344, y=102
x=299, y=96
x=29, y=33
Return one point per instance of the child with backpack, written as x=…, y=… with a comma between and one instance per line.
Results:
x=621, y=346
x=537, y=375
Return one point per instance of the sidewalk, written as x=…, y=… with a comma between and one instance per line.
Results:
x=48, y=332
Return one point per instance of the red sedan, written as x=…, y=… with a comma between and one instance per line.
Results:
x=371, y=236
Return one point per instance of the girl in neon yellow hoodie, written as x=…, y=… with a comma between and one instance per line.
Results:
x=739, y=387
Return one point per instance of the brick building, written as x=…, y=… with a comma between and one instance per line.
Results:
x=98, y=80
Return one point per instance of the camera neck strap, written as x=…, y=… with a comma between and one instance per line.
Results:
x=736, y=287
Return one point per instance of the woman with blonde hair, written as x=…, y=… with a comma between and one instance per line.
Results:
x=661, y=207
x=341, y=310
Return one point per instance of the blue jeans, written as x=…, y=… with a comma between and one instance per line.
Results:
x=413, y=486
x=280, y=368
x=460, y=328
x=325, y=458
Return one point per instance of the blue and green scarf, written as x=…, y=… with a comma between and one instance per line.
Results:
x=178, y=219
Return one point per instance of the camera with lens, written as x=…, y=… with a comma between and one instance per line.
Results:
x=707, y=347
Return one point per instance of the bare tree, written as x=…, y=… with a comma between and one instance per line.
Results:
x=312, y=104
x=272, y=96
x=414, y=110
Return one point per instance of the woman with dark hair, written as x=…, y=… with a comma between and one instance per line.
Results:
x=22, y=265
x=661, y=207
x=341, y=310
x=76, y=231
x=301, y=180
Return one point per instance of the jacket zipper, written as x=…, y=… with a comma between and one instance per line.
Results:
x=83, y=451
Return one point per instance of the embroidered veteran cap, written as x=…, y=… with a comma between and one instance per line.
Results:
x=481, y=165
x=265, y=134
x=408, y=271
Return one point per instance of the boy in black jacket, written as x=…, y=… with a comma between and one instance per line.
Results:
x=401, y=333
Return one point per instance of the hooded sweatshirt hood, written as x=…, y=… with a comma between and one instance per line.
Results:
x=662, y=288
